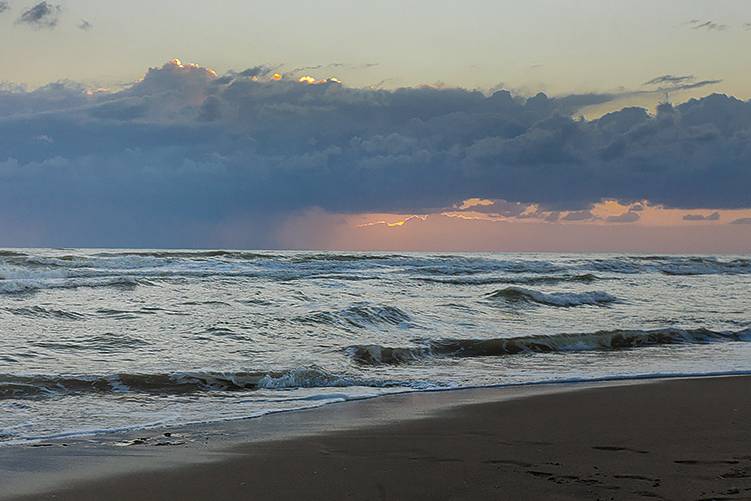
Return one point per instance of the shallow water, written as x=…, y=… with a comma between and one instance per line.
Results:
x=97, y=340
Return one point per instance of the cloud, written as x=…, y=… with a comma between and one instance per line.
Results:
x=41, y=15
x=395, y=224
x=475, y=203
x=255, y=71
x=330, y=66
x=673, y=83
x=692, y=85
x=697, y=24
x=670, y=80
x=168, y=159
x=580, y=215
x=4, y=6
x=501, y=208
x=715, y=216
x=627, y=217
x=743, y=220
x=85, y=25
x=16, y=100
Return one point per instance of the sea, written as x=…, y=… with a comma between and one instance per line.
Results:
x=94, y=341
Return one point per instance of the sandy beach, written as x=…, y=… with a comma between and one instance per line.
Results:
x=669, y=439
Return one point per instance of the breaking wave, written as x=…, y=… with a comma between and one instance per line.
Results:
x=178, y=383
x=562, y=299
x=596, y=341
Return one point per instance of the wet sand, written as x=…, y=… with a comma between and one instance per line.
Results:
x=683, y=439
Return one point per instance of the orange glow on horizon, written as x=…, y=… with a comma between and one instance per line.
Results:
x=604, y=213
x=395, y=224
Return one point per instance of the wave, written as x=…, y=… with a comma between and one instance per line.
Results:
x=188, y=254
x=42, y=312
x=672, y=265
x=10, y=253
x=461, y=265
x=669, y=265
x=347, y=277
x=450, y=269
x=178, y=383
x=249, y=255
x=541, y=280
x=21, y=285
x=359, y=315
x=304, y=258
x=707, y=266
x=562, y=299
x=596, y=341
x=102, y=343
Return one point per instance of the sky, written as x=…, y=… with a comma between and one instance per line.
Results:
x=413, y=125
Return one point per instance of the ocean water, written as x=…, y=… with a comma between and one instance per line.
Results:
x=101, y=340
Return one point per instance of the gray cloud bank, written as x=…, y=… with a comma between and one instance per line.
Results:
x=185, y=150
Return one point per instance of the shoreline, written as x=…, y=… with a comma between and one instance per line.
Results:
x=564, y=384
x=202, y=456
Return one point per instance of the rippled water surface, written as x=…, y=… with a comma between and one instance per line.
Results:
x=96, y=340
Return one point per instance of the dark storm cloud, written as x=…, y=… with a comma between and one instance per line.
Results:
x=4, y=6
x=41, y=15
x=184, y=150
